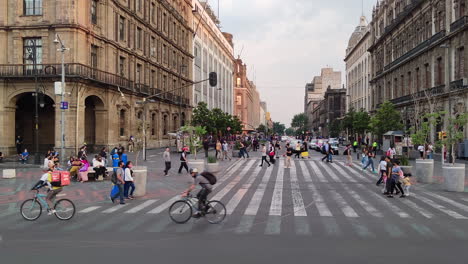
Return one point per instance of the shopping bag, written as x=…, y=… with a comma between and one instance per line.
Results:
x=114, y=191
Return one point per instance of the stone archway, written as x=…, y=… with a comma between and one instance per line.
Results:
x=94, y=122
x=24, y=124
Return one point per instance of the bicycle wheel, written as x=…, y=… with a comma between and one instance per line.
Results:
x=64, y=209
x=180, y=211
x=31, y=209
x=215, y=212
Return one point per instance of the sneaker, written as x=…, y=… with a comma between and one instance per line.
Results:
x=402, y=196
x=49, y=212
x=390, y=196
x=131, y=197
x=196, y=215
x=122, y=202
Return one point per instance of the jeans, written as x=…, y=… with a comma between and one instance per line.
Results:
x=382, y=173
x=241, y=153
x=202, y=197
x=330, y=157
x=168, y=167
x=429, y=155
x=120, y=193
x=264, y=158
x=370, y=161
x=127, y=186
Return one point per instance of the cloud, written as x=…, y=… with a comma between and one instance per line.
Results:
x=288, y=42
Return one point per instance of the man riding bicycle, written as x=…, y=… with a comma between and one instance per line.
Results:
x=54, y=189
x=202, y=195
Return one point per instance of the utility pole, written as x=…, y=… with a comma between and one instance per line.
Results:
x=37, y=158
x=63, y=104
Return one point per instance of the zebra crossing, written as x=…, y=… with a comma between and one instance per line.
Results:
x=309, y=198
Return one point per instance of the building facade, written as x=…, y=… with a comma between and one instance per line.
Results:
x=315, y=91
x=358, y=68
x=247, y=98
x=331, y=108
x=419, y=57
x=213, y=51
x=120, y=51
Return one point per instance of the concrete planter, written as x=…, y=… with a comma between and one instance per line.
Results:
x=407, y=169
x=212, y=167
x=140, y=175
x=9, y=173
x=454, y=177
x=424, y=170
x=198, y=164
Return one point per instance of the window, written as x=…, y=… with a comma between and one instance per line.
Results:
x=94, y=6
x=153, y=79
x=94, y=56
x=460, y=64
x=122, y=66
x=165, y=125
x=122, y=28
x=32, y=7
x=164, y=22
x=410, y=84
x=138, y=4
x=440, y=72
x=122, y=122
x=164, y=53
x=32, y=52
x=164, y=83
x=138, y=73
x=239, y=100
x=427, y=76
x=418, y=79
x=138, y=38
x=153, y=47
x=153, y=13
x=174, y=60
x=239, y=84
x=153, y=124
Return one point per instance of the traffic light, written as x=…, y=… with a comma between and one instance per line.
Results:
x=442, y=135
x=213, y=77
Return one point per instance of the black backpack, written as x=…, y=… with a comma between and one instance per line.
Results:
x=114, y=177
x=210, y=177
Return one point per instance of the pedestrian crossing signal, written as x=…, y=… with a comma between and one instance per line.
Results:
x=213, y=78
x=442, y=135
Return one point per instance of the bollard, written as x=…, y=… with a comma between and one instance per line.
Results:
x=9, y=173
x=140, y=175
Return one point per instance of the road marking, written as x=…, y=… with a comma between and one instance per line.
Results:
x=393, y=230
x=423, y=230
x=273, y=225
x=318, y=172
x=298, y=202
x=417, y=208
x=331, y=227
x=233, y=183
x=441, y=208
x=254, y=204
x=277, y=199
x=319, y=202
x=89, y=209
x=165, y=205
x=449, y=201
x=330, y=172
x=301, y=225
x=344, y=207
x=343, y=173
x=235, y=200
x=305, y=172
x=141, y=206
x=114, y=208
x=245, y=224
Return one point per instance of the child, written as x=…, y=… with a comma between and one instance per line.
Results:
x=407, y=184
x=382, y=169
x=129, y=184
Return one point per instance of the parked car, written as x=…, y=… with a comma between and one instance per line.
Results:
x=335, y=148
x=313, y=144
x=333, y=141
x=284, y=138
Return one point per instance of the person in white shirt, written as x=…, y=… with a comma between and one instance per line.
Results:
x=264, y=155
x=225, y=151
x=47, y=162
x=167, y=160
x=128, y=178
x=421, y=150
x=99, y=167
x=382, y=170
x=430, y=151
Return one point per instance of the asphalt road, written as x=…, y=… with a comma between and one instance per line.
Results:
x=314, y=212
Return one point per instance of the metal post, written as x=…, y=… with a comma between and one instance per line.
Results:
x=62, y=118
x=144, y=129
x=37, y=158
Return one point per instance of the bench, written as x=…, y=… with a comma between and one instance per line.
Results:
x=92, y=173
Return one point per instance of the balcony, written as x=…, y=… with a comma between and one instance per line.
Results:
x=434, y=91
x=463, y=21
x=81, y=72
x=459, y=85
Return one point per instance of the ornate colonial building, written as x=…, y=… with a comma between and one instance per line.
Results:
x=419, y=56
x=358, y=68
x=119, y=52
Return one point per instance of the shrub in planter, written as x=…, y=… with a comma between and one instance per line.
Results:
x=212, y=159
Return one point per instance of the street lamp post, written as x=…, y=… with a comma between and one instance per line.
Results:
x=62, y=49
x=33, y=57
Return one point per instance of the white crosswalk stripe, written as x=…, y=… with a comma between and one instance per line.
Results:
x=317, y=172
x=218, y=196
x=234, y=202
x=449, y=201
x=319, y=201
x=115, y=208
x=441, y=208
x=141, y=206
x=89, y=209
x=329, y=172
x=298, y=202
x=345, y=208
x=277, y=200
x=305, y=172
x=254, y=204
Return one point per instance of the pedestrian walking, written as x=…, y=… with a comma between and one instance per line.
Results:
x=430, y=151
x=387, y=179
x=382, y=170
x=264, y=156
x=19, y=145
x=407, y=185
x=298, y=150
x=421, y=151
x=167, y=160
x=326, y=151
x=118, y=179
x=271, y=153
x=206, y=146
x=355, y=145
x=278, y=148
x=218, y=149
x=225, y=147
x=183, y=160
x=246, y=146
x=289, y=153
x=391, y=152
x=395, y=179
x=370, y=161
x=129, y=186
x=131, y=144
x=349, y=158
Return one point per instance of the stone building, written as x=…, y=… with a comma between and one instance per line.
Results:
x=315, y=91
x=119, y=52
x=213, y=51
x=247, y=98
x=358, y=68
x=331, y=108
x=419, y=57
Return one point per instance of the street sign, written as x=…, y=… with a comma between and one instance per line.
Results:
x=58, y=88
x=64, y=105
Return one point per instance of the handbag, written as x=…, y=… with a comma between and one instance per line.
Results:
x=114, y=190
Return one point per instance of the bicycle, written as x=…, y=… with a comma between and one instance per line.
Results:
x=31, y=209
x=182, y=210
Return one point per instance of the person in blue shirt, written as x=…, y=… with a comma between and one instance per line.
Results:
x=24, y=156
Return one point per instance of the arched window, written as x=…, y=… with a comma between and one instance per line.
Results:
x=122, y=122
x=176, y=125
x=153, y=124
x=182, y=120
x=139, y=115
x=164, y=125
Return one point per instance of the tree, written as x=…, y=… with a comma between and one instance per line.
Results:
x=455, y=132
x=195, y=134
x=261, y=128
x=215, y=121
x=421, y=132
x=335, y=128
x=290, y=131
x=300, y=122
x=361, y=122
x=278, y=128
x=348, y=121
x=202, y=116
x=386, y=119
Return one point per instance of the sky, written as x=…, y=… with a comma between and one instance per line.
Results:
x=285, y=43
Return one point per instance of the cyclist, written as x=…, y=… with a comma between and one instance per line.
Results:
x=203, y=193
x=54, y=188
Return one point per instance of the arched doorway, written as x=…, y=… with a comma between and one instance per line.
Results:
x=94, y=129
x=25, y=121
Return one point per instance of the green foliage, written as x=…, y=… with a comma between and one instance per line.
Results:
x=212, y=159
x=261, y=128
x=361, y=122
x=202, y=116
x=348, y=121
x=278, y=128
x=290, y=131
x=386, y=119
x=420, y=135
x=195, y=134
x=455, y=132
x=300, y=122
x=215, y=121
x=335, y=128
x=404, y=161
